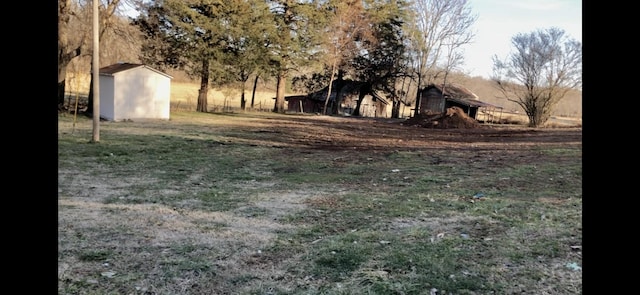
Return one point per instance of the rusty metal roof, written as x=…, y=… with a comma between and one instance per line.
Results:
x=460, y=94
x=452, y=91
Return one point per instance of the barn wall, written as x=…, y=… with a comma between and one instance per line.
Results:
x=293, y=105
x=381, y=110
x=308, y=105
x=368, y=108
x=313, y=106
x=432, y=101
x=348, y=101
x=348, y=104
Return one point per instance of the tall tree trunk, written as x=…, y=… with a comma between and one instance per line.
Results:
x=418, y=97
x=395, y=109
x=364, y=90
x=280, y=89
x=89, y=110
x=326, y=100
x=243, y=101
x=61, y=91
x=396, y=98
x=405, y=94
x=204, y=87
x=253, y=93
x=356, y=111
x=62, y=75
x=104, y=16
x=339, y=85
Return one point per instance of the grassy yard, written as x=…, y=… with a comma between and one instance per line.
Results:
x=262, y=203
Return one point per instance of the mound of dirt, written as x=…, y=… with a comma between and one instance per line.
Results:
x=453, y=117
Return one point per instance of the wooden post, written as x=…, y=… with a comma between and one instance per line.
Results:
x=95, y=73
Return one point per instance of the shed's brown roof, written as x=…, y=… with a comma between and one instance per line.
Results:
x=120, y=67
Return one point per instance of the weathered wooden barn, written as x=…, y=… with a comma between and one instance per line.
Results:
x=134, y=91
x=344, y=93
x=303, y=104
x=437, y=98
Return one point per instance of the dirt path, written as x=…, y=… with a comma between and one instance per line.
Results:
x=324, y=132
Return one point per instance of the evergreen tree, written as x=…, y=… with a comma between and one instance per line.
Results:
x=298, y=26
x=382, y=61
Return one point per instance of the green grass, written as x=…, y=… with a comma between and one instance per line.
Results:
x=204, y=204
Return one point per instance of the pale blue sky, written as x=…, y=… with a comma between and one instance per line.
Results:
x=499, y=20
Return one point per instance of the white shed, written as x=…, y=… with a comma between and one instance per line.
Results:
x=134, y=91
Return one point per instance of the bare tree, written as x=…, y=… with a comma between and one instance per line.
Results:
x=107, y=11
x=120, y=41
x=347, y=25
x=297, y=26
x=248, y=52
x=453, y=58
x=545, y=65
x=441, y=28
x=69, y=45
x=382, y=58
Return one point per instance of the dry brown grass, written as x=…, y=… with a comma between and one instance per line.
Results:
x=184, y=96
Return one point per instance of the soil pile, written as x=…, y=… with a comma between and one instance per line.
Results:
x=453, y=117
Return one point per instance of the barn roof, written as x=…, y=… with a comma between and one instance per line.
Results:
x=294, y=97
x=121, y=67
x=453, y=91
x=459, y=94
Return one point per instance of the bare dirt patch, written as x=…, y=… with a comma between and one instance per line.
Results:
x=362, y=134
x=453, y=117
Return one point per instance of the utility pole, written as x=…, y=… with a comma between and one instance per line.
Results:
x=96, y=73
